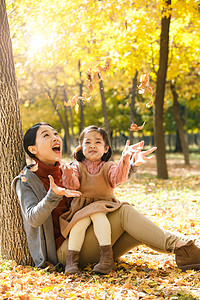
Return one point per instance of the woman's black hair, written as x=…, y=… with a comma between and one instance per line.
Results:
x=78, y=153
x=30, y=136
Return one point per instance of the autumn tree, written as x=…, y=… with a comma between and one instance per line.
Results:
x=64, y=33
x=175, y=109
x=13, y=243
x=160, y=93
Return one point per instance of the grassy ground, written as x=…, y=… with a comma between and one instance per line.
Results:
x=142, y=273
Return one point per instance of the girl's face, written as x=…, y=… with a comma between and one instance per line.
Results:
x=48, y=145
x=93, y=146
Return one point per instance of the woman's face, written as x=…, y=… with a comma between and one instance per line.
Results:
x=48, y=145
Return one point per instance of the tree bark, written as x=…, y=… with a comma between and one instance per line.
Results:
x=64, y=122
x=159, y=98
x=104, y=109
x=179, y=125
x=70, y=115
x=13, y=242
x=82, y=123
x=132, y=106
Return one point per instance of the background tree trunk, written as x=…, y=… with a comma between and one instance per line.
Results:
x=82, y=121
x=179, y=125
x=132, y=106
x=71, y=117
x=13, y=242
x=104, y=109
x=64, y=121
x=159, y=98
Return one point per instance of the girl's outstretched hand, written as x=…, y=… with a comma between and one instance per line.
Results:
x=130, y=149
x=66, y=170
x=62, y=191
x=140, y=157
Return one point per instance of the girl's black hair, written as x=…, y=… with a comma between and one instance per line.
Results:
x=30, y=136
x=79, y=156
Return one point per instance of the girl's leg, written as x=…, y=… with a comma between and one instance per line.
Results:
x=102, y=231
x=90, y=252
x=102, y=228
x=76, y=238
x=77, y=234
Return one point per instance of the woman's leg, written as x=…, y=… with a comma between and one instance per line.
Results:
x=129, y=228
x=125, y=243
x=146, y=232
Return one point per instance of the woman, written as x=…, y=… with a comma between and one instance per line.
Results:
x=43, y=199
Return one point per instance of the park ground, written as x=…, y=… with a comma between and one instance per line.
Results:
x=142, y=273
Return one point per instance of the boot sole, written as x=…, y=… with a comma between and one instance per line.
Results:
x=190, y=267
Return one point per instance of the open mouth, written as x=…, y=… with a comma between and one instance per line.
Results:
x=56, y=149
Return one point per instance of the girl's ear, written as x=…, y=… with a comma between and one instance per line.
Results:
x=106, y=149
x=32, y=149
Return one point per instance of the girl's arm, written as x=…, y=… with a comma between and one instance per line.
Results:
x=35, y=211
x=70, y=176
x=119, y=173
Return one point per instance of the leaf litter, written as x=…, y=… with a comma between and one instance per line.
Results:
x=142, y=273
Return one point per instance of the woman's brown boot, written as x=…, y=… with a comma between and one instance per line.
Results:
x=106, y=261
x=188, y=256
x=72, y=262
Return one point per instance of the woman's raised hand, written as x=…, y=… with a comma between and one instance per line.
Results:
x=130, y=149
x=62, y=191
x=141, y=158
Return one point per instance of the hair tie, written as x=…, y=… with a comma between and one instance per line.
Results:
x=77, y=149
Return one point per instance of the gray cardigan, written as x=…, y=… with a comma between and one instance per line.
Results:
x=36, y=205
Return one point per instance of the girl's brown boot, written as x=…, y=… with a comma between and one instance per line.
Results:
x=106, y=261
x=72, y=262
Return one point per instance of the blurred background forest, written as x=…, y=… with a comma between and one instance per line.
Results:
x=56, y=42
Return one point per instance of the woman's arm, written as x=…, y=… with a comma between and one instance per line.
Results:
x=36, y=211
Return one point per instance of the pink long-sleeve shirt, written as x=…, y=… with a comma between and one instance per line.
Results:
x=117, y=173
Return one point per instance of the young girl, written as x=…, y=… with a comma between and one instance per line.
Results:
x=96, y=179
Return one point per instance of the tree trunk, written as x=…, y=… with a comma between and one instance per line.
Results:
x=178, y=147
x=82, y=123
x=159, y=98
x=63, y=122
x=179, y=125
x=132, y=106
x=67, y=135
x=13, y=242
x=104, y=109
x=71, y=117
